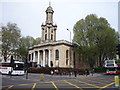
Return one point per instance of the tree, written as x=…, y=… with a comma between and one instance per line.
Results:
x=96, y=38
x=14, y=44
x=37, y=41
x=24, y=45
x=10, y=38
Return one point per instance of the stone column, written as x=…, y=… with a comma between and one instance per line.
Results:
x=48, y=34
x=34, y=56
x=38, y=62
x=49, y=58
x=43, y=57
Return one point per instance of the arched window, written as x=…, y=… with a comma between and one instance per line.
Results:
x=52, y=31
x=57, y=54
x=45, y=31
x=45, y=36
x=67, y=54
x=51, y=37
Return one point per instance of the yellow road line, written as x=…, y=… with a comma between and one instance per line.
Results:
x=73, y=85
x=54, y=85
x=23, y=84
x=98, y=79
x=33, y=86
x=106, y=85
x=45, y=82
x=9, y=87
x=102, y=79
x=95, y=81
x=88, y=84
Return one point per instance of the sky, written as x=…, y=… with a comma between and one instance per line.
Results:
x=30, y=14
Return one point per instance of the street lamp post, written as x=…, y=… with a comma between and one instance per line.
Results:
x=70, y=47
x=70, y=34
x=74, y=57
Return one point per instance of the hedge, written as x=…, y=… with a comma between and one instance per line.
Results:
x=100, y=70
x=47, y=70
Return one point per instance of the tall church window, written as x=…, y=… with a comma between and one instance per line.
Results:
x=57, y=54
x=52, y=31
x=67, y=53
x=45, y=31
x=51, y=37
x=45, y=36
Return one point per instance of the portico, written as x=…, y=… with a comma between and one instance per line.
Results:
x=41, y=57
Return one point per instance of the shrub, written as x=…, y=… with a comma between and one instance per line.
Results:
x=62, y=71
x=99, y=69
x=45, y=70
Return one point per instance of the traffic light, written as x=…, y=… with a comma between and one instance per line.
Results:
x=118, y=50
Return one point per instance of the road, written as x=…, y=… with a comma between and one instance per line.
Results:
x=57, y=82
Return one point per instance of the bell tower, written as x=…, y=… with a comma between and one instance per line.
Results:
x=49, y=29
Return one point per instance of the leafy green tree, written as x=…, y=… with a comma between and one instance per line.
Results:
x=10, y=38
x=13, y=44
x=96, y=38
x=24, y=45
x=37, y=41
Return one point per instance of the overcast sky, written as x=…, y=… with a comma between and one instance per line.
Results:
x=30, y=14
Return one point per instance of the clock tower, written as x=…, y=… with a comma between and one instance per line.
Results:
x=49, y=29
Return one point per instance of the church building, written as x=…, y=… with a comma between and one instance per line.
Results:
x=50, y=52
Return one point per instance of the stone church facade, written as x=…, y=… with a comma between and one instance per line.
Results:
x=50, y=52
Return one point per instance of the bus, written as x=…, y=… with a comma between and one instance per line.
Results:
x=112, y=67
x=17, y=68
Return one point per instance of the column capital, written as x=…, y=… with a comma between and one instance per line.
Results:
x=49, y=49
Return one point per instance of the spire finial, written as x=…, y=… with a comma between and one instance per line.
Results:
x=49, y=3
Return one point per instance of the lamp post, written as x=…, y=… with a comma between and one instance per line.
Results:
x=74, y=57
x=70, y=48
x=70, y=34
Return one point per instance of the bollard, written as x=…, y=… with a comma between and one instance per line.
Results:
x=41, y=77
x=26, y=74
x=116, y=81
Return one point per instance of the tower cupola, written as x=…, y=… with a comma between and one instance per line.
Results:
x=49, y=15
x=49, y=29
